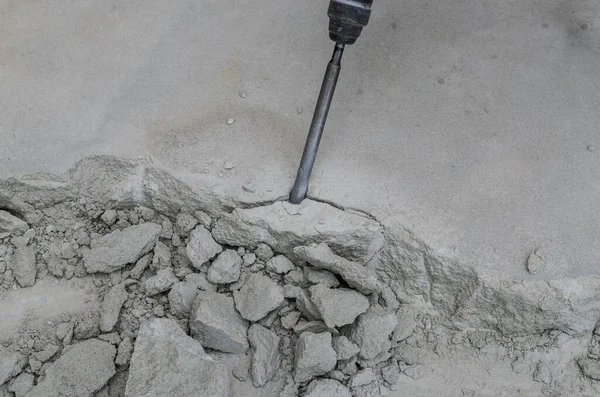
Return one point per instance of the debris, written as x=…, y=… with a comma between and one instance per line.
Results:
x=217, y=325
x=11, y=224
x=258, y=296
x=535, y=262
x=23, y=266
x=185, y=223
x=242, y=94
x=327, y=388
x=263, y=252
x=115, y=250
x=591, y=148
x=88, y=326
x=390, y=373
x=344, y=348
x=109, y=217
x=161, y=344
x=362, y=378
x=231, y=230
x=314, y=356
x=124, y=352
x=249, y=259
x=10, y=364
x=315, y=327
x=226, y=268
x=181, y=298
x=200, y=281
x=338, y=307
x=49, y=351
x=266, y=357
x=22, y=384
x=140, y=266
x=319, y=276
x=230, y=121
x=162, y=256
x=372, y=331
x=201, y=247
x=228, y=165
x=280, y=264
x=356, y=275
x=161, y=282
x=111, y=307
x=83, y=370
x=303, y=302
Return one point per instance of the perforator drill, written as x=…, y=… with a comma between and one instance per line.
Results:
x=346, y=21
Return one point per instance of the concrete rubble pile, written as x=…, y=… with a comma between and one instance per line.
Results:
x=277, y=300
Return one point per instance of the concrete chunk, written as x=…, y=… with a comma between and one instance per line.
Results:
x=115, y=250
x=327, y=388
x=319, y=276
x=266, y=358
x=111, y=307
x=338, y=307
x=217, y=325
x=23, y=266
x=226, y=268
x=201, y=247
x=11, y=224
x=22, y=384
x=257, y=297
x=314, y=356
x=344, y=348
x=161, y=282
x=356, y=275
x=167, y=362
x=181, y=298
x=303, y=302
x=372, y=332
x=82, y=371
x=200, y=281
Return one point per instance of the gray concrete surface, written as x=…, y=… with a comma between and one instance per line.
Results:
x=468, y=122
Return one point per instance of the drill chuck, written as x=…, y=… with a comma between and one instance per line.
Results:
x=347, y=19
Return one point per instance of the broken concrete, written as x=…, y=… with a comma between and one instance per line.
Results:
x=22, y=384
x=344, y=348
x=161, y=344
x=327, y=388
x=372, y=331
x=23, y=266
x=10, y=224
x=161, y=282
x=266, y=358
x=319, y=276
x=111, y=307
x=81, y=371
x=226, y=268
x=181, y=298
x=314, y=356
x=280, y=265
x=201, y=247
x=216, y=324
x=356, y=275
x=338, y=307
x=257, y=297
x=115, y=250
x=10, y=364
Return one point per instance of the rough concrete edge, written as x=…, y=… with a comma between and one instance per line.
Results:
x=462, y=295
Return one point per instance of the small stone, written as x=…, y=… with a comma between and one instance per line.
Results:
x=166, y=230
x=49, y=351
x=266, y=358
x=88, y=326
x=259, y=296
x=318, y=276
x=314, y=356
x=345, y=348
x=124, y=352
x=23, y=266
x=338, y=307
x=327, y=388
x=181, y=298
x=200, y=281
x=201, y=247
x=22, y=384
x=161, y=282
x=362, y=378
x=535, y=262
x=263, y=252
x=63, y=329
x=228, y=166
x=117, y=249
x=289, y=320
x=303, y=302
x=185, y=223
x=242, y=94
x=280, y=264
x=591, y=148
x=109, y=217
x=249, y=187
x=249, y=259
x=296, y=277
x=147, y=213
x=299, y=110
x=216, y=324
x=230, y=121
x=111, y=307
x=226, y=268
x=204, y=219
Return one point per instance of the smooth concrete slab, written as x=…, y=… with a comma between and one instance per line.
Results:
x=472, y=123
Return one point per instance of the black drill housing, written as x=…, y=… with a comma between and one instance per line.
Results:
x=347, y=19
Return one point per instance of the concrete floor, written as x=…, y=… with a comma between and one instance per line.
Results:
x=472, y=123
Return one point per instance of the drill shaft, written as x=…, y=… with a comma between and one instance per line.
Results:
x=316, y=126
